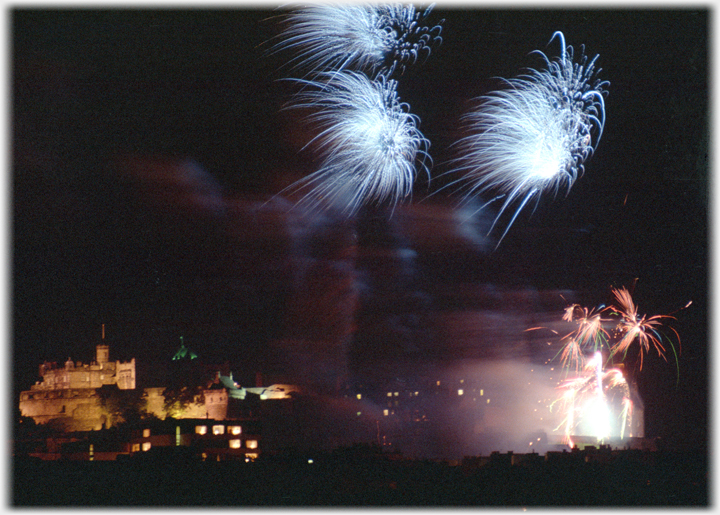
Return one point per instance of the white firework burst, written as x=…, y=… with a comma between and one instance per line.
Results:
x=370, y=144
x=534, y=136
x=372, y=38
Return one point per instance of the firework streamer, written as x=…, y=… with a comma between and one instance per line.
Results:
x=375, y=39
x=536, y=135
x=369, y=143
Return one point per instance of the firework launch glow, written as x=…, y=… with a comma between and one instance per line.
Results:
x=595, y=403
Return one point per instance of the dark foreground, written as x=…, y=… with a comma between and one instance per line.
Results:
x=352, y=478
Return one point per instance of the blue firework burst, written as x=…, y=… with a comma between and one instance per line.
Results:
x=536, y=135
x=369, y=143
x=371, y=38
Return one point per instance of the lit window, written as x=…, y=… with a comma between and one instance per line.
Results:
x=438, y=383
x=251, y=456
x=201, y=430
x=251, y=444
x=359, y=396
x=395, y=394
x=234, y=430
x=481, y=392
x=359, y=413
x=146, y=433
x=218, y=430
x=135, y=447
x=460, y=391
x=389, y=394
x=385, y=412
x=234, y=443
x=146, y=446
x=488, y=401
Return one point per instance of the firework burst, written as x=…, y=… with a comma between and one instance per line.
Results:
x=536, y=135
x=369, y=143
x=589, y=336
x=371, y=38
x=642, y=329
x=594, y=401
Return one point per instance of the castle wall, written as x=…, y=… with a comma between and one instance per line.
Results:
x=156, y=406
x=155, y=402
x=216, y=403
x=78, y=409
x=93, y=375
x=125, y=375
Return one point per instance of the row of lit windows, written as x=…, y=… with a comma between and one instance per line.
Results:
x=235, y=443
x=416, y=394
x=249, y=456
x=218, y=430
x=145, y=446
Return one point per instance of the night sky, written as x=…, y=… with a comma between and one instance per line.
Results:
x=146, y=143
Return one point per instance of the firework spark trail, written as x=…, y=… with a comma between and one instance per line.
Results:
x=536, y=135
x=376, y=39
x=369, y=142
x=572, y=354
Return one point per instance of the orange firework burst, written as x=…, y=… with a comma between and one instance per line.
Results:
x=642, y=329
x=589, y=334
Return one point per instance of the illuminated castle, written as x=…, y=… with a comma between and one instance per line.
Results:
x=70, y=392
x=70, y=395
x=100, y=372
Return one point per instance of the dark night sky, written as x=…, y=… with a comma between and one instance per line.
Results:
x=109, y=226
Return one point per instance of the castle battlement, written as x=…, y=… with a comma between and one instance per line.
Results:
x=95, y=374
x=70, y=391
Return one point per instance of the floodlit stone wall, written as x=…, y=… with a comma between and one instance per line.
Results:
x=76, y=409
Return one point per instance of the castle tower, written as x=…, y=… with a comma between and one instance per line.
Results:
x=102, y=354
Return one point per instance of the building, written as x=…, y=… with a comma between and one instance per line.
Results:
x=95, y=374
x=212, y=440
x=70, y=392
x=71, y=397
